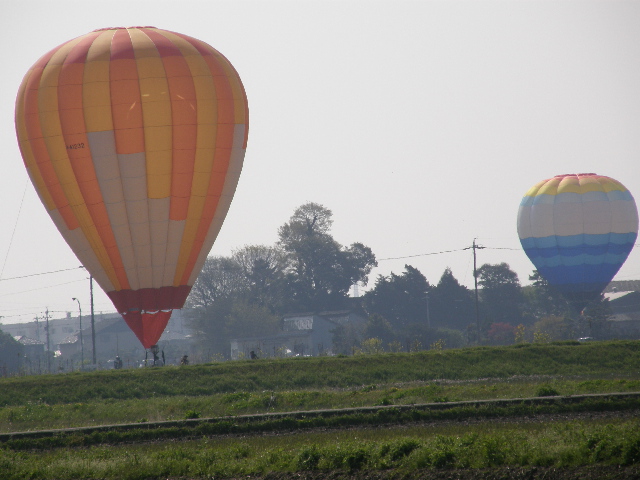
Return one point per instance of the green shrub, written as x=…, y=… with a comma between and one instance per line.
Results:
x=402, y=449
x=308, y=459
x=547, y=391
x=356, y=459
x=631, y=454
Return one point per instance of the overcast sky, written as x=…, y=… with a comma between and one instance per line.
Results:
x=420, y=124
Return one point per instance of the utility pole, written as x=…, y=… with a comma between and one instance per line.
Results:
x=81, y=342
x=46, y=316
x=475, y=281
x=428, y=313
x=93, y=325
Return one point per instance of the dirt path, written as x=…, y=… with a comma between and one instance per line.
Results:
x=502, y=473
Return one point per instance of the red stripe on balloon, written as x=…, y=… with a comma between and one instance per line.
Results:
x=150, y=299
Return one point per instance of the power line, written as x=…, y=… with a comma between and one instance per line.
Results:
x=37, y=274
x=104, y=307
x=41, y=288
x=15, y=225
x=422, y=254
x=456, y=250
x=447, y=251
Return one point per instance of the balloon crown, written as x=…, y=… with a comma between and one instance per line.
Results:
x=575, y=174
x=120, y=28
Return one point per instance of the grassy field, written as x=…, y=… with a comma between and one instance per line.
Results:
x=281, y=385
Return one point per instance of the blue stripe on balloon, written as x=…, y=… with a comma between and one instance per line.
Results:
x=581, y=253
x=577, y=251
x=558, y=258
x=554, y=241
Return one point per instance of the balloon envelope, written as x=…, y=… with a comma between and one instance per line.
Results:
x=578, y=230
x=134, y=139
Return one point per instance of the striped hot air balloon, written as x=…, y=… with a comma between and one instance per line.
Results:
x=578, y=230
x=134, y=139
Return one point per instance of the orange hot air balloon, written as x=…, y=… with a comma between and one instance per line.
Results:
x=134, y=139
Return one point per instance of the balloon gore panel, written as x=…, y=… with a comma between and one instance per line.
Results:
x=148, y=327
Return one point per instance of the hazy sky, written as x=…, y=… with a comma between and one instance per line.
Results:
x=420, y=124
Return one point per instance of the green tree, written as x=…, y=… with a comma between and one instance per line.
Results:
x=370, y=346
x=542, y=299
x=501, y=294
x=319, y=271
x=11, y=354
x=378, y=327
x=401, y=302
x=400, y=299
x=221, y=277
x=263, y=271
x=420, y=335
x=556, y=327
x=245, y=294
x=501, y=334
x=451, y=305
x=250, y=320
x=593, y=319
x=229, y=300
x=208, y=322
x=346, y=338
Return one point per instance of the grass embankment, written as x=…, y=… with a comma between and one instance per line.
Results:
x=233, y=388
x=40, y=415
x=596, y=360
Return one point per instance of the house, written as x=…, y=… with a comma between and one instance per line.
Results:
x=623, y=286
x=112, y=335
x=35, y=359
x=303, y=334
x=624, y=321
x=32, y=348
x=70, y=346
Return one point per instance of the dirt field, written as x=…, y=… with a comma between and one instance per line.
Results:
x=503, y=473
